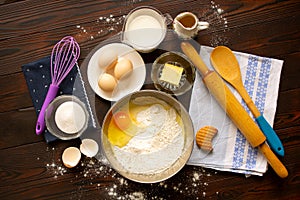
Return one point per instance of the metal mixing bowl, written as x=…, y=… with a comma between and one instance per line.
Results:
x=188, y=138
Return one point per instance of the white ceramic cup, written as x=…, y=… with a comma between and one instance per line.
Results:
x=144, y=29
x=187, y=25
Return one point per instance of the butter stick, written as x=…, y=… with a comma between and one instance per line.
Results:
x=171, y=74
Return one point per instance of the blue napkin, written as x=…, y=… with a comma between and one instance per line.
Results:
x=38, y=79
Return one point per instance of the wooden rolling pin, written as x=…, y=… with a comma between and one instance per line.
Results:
x=234, y=109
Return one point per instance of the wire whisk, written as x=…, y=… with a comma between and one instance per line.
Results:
x=63, y=58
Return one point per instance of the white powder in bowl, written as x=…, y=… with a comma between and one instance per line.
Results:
x=157, y=145
x=70, y=117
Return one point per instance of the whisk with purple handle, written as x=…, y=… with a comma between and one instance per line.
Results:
x=63, y=58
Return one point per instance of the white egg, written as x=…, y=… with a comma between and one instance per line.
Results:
x=106, y=58
x=122, y=67
x=71, y=157
x=89, y=147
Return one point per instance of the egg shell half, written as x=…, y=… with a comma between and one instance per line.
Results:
x=89, y=147
x=71, y=157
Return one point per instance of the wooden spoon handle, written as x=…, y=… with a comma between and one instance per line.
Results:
x=244, y=94
x=275, y=163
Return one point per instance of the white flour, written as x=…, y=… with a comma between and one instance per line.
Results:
x=158, y=144
x=70, y=117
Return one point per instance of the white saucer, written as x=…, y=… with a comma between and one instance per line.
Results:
x=103, y=57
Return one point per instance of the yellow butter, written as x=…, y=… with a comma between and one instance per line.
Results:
x=171, y=74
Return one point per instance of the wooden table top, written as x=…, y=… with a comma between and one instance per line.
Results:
x=32, y=169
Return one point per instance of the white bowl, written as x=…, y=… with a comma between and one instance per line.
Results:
x=104, y=56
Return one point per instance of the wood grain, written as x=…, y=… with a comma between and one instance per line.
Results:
x=30, y=28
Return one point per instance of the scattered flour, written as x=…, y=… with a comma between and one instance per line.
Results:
x=190, y=183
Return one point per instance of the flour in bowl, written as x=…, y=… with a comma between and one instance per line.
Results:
x=70, y=117
x=158, y=143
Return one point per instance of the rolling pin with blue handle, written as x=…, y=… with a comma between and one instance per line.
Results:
x=234, y=109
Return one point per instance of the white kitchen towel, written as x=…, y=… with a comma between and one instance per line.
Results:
x=231, y=151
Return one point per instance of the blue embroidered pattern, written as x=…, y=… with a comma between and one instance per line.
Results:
x=263, y=84
x=260, y=103
x=240, y=142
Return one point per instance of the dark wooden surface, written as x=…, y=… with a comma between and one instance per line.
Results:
x=32, y=169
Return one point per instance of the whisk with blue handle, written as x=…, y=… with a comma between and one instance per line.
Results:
x=63, y=58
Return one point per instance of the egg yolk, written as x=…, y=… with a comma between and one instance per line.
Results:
x=120, y=129
x=122, y=120
x=117, y=136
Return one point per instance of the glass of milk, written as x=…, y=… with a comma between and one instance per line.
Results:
x=144, y=28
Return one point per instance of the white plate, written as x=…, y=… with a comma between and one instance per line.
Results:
x=126, y=85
